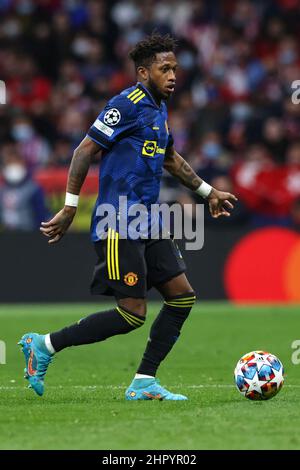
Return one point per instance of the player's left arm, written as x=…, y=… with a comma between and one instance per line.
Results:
x=219, y=201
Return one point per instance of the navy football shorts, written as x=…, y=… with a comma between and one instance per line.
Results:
x=128, y=268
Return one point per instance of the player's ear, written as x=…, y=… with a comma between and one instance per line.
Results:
x=143, y=72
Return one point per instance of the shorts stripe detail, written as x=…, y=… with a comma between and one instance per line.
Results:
x=134, y=93
x=136, y=100
x=131, y=319
x=108, y=254
x=113, y=255
x=117, y=255
x=112, y=252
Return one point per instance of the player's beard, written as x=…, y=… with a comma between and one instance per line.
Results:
x=155, y=91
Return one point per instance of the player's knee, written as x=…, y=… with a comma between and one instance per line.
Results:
x=184, y=301
x=190, y=292
x=188, y=297
x=137, y=306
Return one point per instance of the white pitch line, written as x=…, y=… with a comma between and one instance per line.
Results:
x=113, y=387
x=119, y=387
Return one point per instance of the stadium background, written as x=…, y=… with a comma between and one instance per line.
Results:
x=232, y=118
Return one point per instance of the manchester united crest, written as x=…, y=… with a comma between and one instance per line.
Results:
x=131, y=279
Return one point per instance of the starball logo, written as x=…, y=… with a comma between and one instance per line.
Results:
x=2, y=92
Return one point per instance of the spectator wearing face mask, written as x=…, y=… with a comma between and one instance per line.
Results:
x=33, y=148
x=22, y=201
x=212, y=158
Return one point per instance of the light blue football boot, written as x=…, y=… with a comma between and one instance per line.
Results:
x=37, y=358
x=150, y=389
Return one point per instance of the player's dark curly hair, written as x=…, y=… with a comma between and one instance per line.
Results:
x=143, y=54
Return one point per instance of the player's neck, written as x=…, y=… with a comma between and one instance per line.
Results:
x=153, y=93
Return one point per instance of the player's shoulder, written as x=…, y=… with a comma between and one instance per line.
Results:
x=128, y=99
x=117, y=109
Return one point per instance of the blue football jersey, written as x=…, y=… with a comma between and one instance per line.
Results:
x=133, y=133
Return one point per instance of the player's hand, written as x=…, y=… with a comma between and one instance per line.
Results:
x=57, y=227
x=219, y=203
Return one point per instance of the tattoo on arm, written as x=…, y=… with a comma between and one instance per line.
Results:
x=178, y=167
x=80, y=165
x=78, y=170
x=188, y=177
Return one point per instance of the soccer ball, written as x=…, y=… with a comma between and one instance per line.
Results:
x=259, y=375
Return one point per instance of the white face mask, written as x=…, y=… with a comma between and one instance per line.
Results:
x=14, y=173
x=22, y=132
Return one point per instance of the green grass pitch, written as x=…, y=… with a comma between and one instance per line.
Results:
x=84, y=407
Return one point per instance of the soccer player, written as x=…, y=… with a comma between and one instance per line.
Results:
x=135, y=143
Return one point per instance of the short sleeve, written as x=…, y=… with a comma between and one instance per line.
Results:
x=118, y=118
x=170, y=142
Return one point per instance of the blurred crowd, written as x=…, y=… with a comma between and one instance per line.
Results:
x=232, y=116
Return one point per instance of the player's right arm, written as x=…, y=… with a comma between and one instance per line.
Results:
x=81, y=160
x=119, y=117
